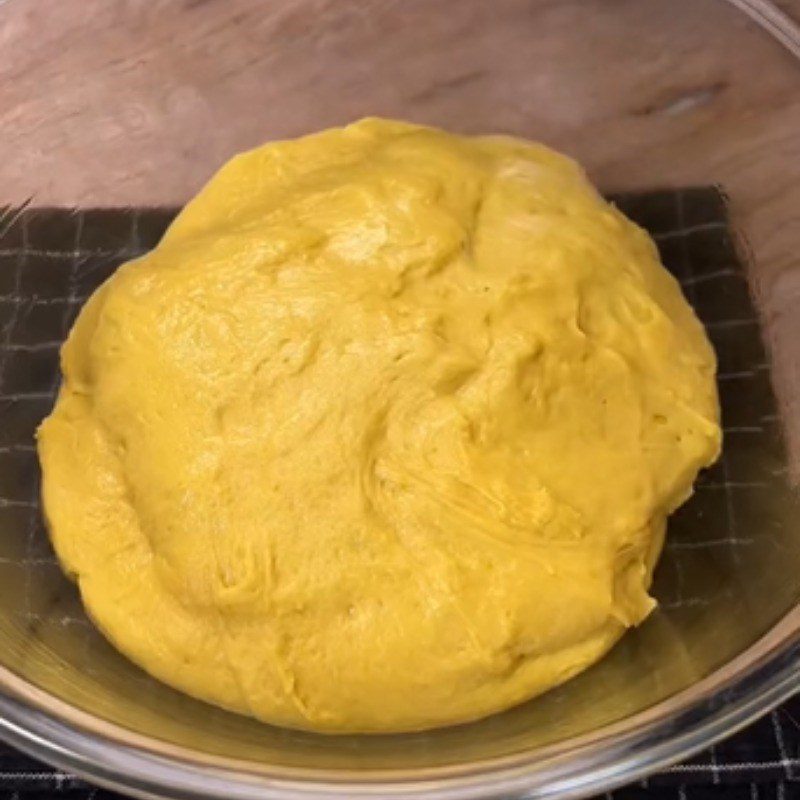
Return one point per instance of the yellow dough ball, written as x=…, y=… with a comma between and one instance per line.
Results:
x=382, y=436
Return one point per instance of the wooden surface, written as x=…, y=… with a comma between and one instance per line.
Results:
x=128, y=102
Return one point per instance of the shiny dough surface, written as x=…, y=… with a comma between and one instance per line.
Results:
x=382, y=436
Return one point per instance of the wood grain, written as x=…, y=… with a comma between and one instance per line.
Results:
x=125, y=102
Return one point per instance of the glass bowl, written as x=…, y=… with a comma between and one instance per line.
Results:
x=133, y=105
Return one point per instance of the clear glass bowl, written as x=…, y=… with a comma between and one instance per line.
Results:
x=136, y=104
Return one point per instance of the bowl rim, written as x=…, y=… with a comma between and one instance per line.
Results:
x=750, y=685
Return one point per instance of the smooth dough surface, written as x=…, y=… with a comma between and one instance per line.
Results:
x=383, y=435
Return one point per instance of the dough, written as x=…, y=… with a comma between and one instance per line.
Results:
x=382, y=436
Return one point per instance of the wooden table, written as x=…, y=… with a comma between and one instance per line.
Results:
x=123, y=102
